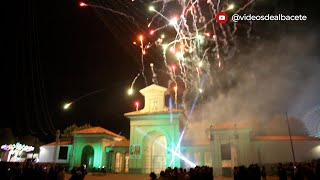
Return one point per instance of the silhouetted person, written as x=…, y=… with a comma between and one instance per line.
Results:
x=52, y=175
x=263, y=173
x=153, y=176
x=74, y=175
x=282, y=173
x=61, y=173
x=298, y=173
x=236, y=173
x=162, y=176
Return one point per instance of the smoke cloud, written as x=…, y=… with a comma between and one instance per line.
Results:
x=274, y=78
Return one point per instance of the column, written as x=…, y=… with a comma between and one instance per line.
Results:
x=123, y=164
x=217, y=157
x=202, y=163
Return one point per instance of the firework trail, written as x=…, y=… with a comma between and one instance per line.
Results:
x=244, y=6
x=110, y=10
x=143, y=52
x=195, y=42
x=200, y=44
x=196, y=47
x=198, y=38
x=130, y=91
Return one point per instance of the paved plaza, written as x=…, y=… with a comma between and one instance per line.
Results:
x=140, y=177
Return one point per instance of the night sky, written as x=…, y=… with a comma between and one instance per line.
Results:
x=55, y=52
x=60, y=52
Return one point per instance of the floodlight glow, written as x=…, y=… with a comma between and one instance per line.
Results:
x=175, y=153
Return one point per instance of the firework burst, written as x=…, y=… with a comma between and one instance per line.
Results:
x=195, y=46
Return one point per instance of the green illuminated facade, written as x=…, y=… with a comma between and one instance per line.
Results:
x=154, y=137
x=154, y=133
x=99, y=148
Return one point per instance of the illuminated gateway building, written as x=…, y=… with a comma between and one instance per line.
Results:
x=155, y=143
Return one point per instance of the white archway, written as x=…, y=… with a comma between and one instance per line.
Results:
x=159, y=154
x=154, y=152
x=87, y=156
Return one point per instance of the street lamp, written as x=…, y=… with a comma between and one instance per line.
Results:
x=211, y=137
x=292, y=149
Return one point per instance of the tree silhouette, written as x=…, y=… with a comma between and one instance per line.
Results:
x=67, y=133
x=7, y=136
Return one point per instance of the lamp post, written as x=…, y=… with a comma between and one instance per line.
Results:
x=211, y=137
x=292, y=149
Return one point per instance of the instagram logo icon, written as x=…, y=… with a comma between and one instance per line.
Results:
x=221, y=17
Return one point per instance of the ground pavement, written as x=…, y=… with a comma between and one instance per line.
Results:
x=139, y=177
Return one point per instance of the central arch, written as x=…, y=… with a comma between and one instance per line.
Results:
x=87, y=156
x=154, y=154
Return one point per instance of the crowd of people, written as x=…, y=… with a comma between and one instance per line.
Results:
x=253, y=172
x=78, y=173
x=199, y=173
x=285, y=171
x=17, y=171
x=300, y=171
